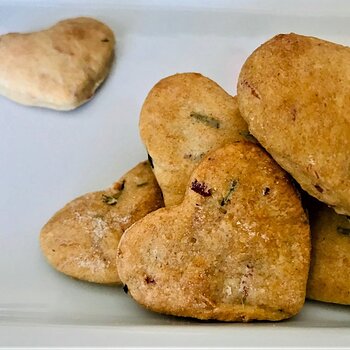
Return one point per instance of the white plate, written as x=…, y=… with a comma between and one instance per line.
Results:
x=48, y=158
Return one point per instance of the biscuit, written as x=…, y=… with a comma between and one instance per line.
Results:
x=183, y=118
x=329, y=277
x=294, y=93
x=236, y=249
x=58, y=68
x=81, y=239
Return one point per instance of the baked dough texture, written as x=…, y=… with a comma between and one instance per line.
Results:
x=294, y=93
x=183, y=118
x=58, y=68
x=236, y=249
x=329, y=278
x=81, y=239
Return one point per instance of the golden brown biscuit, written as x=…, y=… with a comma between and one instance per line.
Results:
x=183, y=118
x=60, y=67
x=294, y=93
x=81, y=239
x=329, y=277
x=236, y=249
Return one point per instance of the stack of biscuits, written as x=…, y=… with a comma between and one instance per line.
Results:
x=240, y=212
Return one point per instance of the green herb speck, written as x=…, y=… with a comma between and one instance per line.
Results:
x=113, y=198
x=344, y=230
x=110, y=200
x=228, y=195
x=205, y=119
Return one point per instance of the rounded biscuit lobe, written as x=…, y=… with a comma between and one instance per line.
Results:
x=329, y=277
x=184, y=117
x=294, y=93
x=60, y=67
x=236, y=249
x=81, y=239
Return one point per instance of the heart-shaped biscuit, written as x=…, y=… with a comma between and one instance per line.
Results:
x=183, y=118
x=329, y=277
x=60, y=67
x=294, y=93
x=236, y=248
x=81, y=239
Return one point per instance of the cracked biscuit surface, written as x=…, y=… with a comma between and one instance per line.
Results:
x=294, y=93
x=236, y=249
x=184, y=117
x=81, y=239
x=58, y=68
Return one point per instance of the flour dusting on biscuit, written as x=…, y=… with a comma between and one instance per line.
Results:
x=81, y=239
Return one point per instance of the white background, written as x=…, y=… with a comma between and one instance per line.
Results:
x=48, y=158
